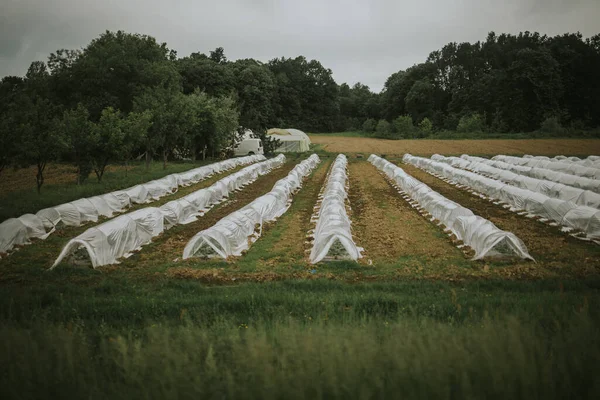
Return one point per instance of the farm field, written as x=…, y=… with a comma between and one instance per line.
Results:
x=426, y=147
x=336, y=329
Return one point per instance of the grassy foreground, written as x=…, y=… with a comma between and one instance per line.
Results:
x=169, y=338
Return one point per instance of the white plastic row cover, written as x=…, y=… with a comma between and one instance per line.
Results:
x=559, y=166
x=590, y=161
x=481, y=235
x=333, y=225
x=549, y=188
x=19, y=231
x=119, y=237
x=581, y=218
x=234, y=233
x=539, y=173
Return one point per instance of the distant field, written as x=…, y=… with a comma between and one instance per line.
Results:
x=426, y=147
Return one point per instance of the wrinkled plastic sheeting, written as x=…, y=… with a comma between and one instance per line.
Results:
x=90, y=209
x=333, y=224
x=534, y=203
x=546, y=187
x=481, y=235
x=188, y=208
x=570, y=168
x=234, y=233
x=117, y=238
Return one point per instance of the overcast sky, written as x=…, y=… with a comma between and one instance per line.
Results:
x=360, y=40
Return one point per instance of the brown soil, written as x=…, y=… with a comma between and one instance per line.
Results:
x=427, y=147
x=386, y=226
x=556, y=253
x=169, y=246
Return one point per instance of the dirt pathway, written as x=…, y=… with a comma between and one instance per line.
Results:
x=554, y=251
x=386, y=226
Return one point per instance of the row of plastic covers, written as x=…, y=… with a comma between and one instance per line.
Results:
x=590, y=161
x=592, y=185
x=234, y=233
x=566, y=213
x=332, y=237
x=119, y=237
x=554, y=165
x=549, y=188
x=481, y=235
x=19, y=231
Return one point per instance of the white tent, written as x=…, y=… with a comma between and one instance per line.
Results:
x=235, y=233
x=292, y=140
x=333, y=234
x=478, y=233
x=109, y=241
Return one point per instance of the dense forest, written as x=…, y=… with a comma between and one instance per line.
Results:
x=127, y=94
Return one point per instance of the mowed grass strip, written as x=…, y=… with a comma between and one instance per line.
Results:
x=389, y=229
x=557, y=254
x=42, y=253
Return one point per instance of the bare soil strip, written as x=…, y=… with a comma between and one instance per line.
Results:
x=386, y=226
x=556, y=253
x=168, y=247
x=427, y=147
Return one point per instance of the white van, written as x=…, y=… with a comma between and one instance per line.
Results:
x=249, y=146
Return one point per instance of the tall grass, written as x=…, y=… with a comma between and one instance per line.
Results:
x=317, y=359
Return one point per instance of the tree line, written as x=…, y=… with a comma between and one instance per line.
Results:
x=127, y=95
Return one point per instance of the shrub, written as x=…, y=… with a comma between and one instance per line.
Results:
x=498, y=124
x=426, y=127
x=552, y=125
x=403, y=127
x=471, y=123
x=369, y=125
x=383, y=129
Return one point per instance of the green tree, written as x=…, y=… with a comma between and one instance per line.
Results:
x=383, y=129
x=118, y=66
x=403, y=127
x=200, y=72
x=109, y=138
x=426, y=127
x=11, y=89
x=41, y=139
x=135, y=131
x=420, y=100
x=255, y=87
x=471, y=123
x=81, y=139
x=369, y=125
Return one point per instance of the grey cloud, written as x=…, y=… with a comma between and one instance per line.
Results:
x=360, y=40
